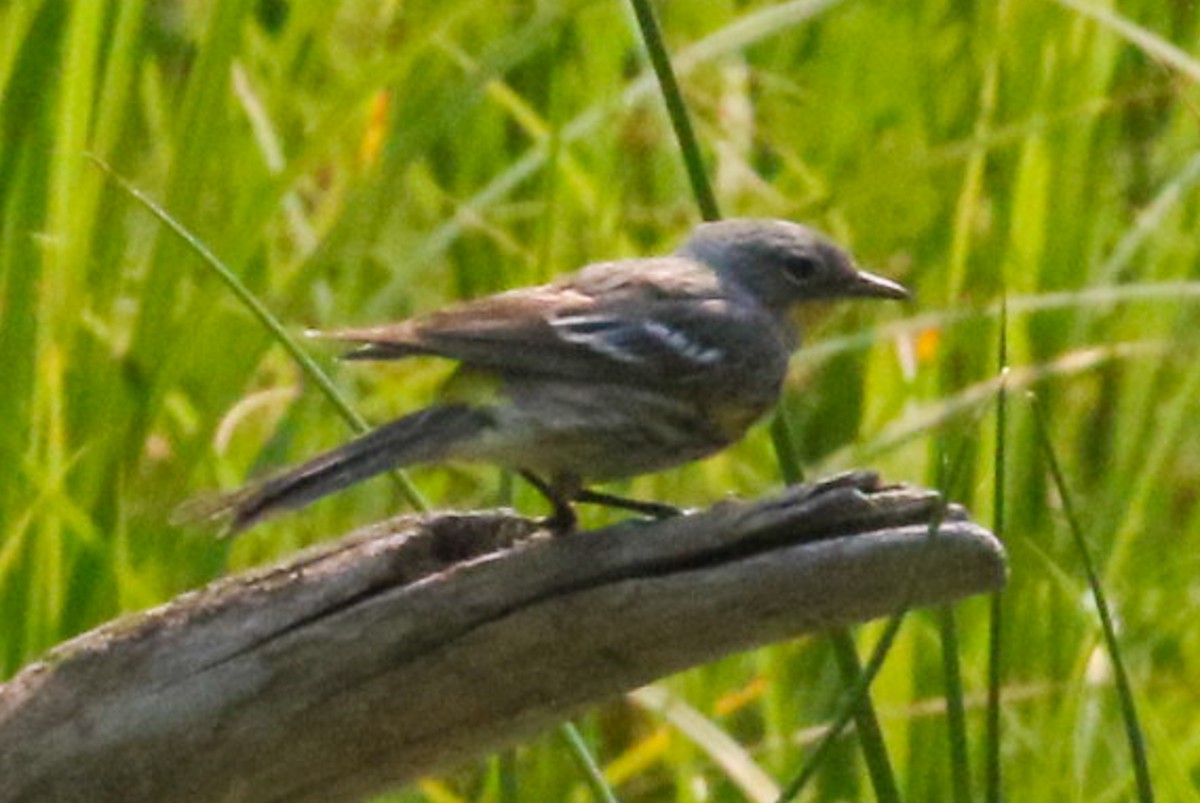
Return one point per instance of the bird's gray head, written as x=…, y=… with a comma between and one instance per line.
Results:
x=783, y=263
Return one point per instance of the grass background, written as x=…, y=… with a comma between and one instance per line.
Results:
x=363, y=160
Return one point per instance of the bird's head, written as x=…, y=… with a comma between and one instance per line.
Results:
x=782, y=263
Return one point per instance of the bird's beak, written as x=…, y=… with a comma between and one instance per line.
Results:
x=872, y=286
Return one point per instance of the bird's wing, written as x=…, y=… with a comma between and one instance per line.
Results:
x=619, y=321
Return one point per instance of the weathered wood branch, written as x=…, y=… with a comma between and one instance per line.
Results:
x=421, y=641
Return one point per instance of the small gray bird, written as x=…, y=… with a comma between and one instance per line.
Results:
x=619, y=369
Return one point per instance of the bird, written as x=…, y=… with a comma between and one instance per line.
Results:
x=621, y=368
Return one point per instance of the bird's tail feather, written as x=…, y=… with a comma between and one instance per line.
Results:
x=425, y=436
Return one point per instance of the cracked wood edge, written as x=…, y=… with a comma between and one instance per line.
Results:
x=420, y=642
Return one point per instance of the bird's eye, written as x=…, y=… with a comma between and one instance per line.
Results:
x=800, y=269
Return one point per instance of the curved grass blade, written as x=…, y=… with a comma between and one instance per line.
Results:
x=1133, y=728
x=265, y=317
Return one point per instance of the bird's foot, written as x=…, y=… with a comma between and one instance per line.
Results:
x=656, y=510
x=563, y=520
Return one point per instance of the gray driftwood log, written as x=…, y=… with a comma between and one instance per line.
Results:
x=422, y=641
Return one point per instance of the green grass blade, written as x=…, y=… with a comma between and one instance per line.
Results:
x=859, y=706
x=681, y=122
x=856, y=691
x=267, y=319
x=956, y=716
x=587, y=763
x=718, y=745
x=993, y=779
x=1133, y=729
x=1149, y=42
x=870, y=736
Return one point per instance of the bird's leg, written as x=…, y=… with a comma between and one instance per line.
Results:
x=564, y=490
x=562, y=521
x=656, y=510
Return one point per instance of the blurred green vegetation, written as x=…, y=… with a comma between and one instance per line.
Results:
x=362, y=160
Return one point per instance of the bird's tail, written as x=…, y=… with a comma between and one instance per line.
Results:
x=425, y=436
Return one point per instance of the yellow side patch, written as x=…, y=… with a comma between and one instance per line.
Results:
x=731, y=420
x=473, y=386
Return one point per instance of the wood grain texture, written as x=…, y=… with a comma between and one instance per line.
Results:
x=425, y=640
